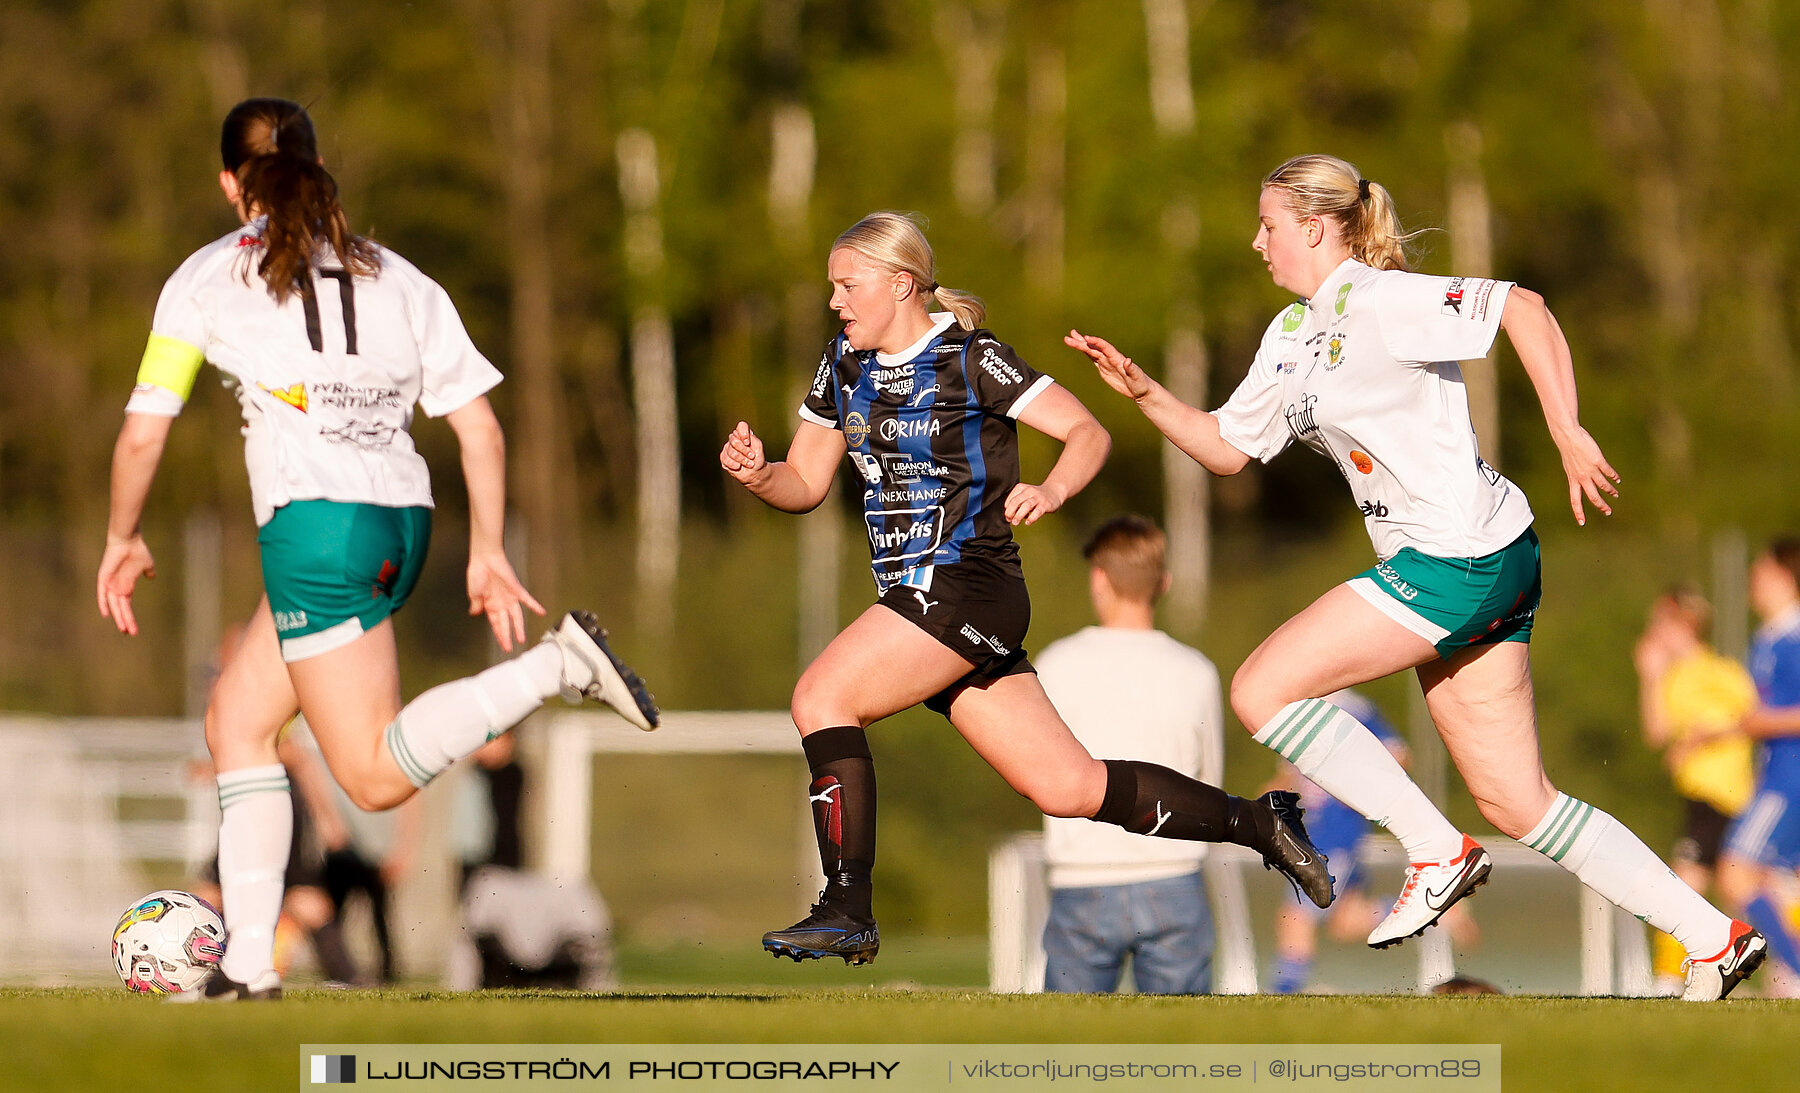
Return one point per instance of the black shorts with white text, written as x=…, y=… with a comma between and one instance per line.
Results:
x=978, y=609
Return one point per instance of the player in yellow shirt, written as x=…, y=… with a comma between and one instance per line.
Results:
x=1690, y=700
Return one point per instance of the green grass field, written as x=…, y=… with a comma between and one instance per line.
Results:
x=104, y=1039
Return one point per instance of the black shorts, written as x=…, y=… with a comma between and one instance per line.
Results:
x=1703, y=835
x=980, y=611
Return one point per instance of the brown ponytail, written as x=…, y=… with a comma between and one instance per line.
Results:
x=1327, y=186
x=270, y=145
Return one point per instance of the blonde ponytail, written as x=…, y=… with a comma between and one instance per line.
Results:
x=1326, y=186
x=895, y=242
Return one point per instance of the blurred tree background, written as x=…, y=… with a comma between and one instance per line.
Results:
x=630, y=202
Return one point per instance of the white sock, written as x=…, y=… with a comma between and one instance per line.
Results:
x=256, y=824
x=1347, y=761
x=1615, y=863
x=453, y=719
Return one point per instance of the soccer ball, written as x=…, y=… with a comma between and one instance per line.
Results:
x=168, y=942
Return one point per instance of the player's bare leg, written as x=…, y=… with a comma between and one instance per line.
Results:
x=1483, y=705
x=249, y=704
x=880, y=664
x=1341, y=640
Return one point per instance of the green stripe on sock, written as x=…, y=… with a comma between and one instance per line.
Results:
x=230, y=795
x=409, y=765
x=1583, y=815
x=1319, y=727
x=1564, y=813
x=1297, y=724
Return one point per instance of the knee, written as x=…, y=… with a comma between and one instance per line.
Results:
x=1070, y=795
x=1515, y=817
x=1252, y=698
x=817, y=704
x=374, y=794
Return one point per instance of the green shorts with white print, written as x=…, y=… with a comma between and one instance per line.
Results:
x=1457, y=602
x=334, y=569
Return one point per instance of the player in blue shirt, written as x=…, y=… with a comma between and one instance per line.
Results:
x=926, y=405
x=1762, y=845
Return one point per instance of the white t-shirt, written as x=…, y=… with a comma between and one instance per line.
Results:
x=1366, y=374
x=1131, y=694
x=326, y=380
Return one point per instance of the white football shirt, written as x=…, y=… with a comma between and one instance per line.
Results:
x=1131, y=694
x=327, y=379
x=1366, y=373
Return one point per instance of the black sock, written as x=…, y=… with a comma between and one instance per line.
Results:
x=843, y=806
x=1147, y=799
x=334, y=957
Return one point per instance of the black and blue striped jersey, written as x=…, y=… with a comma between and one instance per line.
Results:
x=932, y=432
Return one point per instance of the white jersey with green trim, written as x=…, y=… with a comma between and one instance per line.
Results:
x=1366, y=373
x=327, y=379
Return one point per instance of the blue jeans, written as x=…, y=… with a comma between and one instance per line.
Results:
x=1164, y=925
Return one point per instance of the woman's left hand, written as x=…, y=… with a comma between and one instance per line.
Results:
x=1027, y=502
x=1589, y=473
x=495, y=591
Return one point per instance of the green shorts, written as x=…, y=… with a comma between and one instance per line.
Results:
x=1457, y=602
x=334, y=569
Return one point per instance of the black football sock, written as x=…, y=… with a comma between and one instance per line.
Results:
x=843, y=807
x=1147, y=799
x=334, y=957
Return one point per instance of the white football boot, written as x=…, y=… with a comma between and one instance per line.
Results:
x=1711, y=979
x=590, y=669
x=1432, y=888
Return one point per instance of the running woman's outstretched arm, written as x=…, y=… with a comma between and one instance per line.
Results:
x=797, y=484
x=1057, y=413
x=1544, y=352
x=1193, y=430
x=135, y=457
x=494, y=589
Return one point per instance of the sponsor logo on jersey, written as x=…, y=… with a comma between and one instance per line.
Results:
x=1487, y=471
x=1334, y=352
x=1343, y=295
x=993, y=365
x=346, y=396
x=822, y=378
x=1362, y=462
x=289, y=620
x=1453, y=298
x=1376, y=509
x=363, y=434
x=898, y=380
x=919, y=493
x=294, y=395
x=900, y=428
x=901, y=536
x=1293, y=317
x=1286, y=368
x=867, y=467
x=900, y=467
x=1300, y=418
x=918, y=576
x=920, y=397
x=856, y=429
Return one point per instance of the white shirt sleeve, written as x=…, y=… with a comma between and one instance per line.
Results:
x=454, y=371
x=179, y=335
x=1425, y=320
x=1251, y=420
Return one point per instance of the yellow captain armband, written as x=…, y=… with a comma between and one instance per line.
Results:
x=171, y=364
